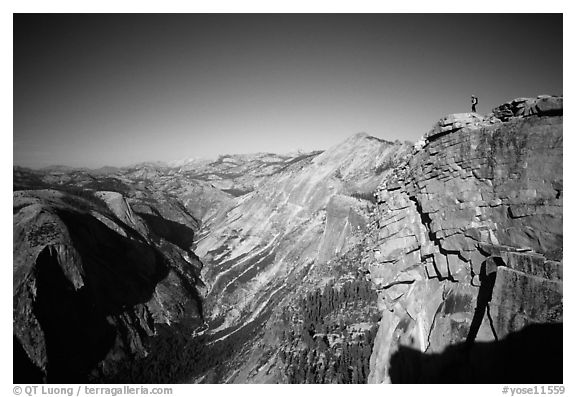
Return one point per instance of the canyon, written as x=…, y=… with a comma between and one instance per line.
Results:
x=369, y=262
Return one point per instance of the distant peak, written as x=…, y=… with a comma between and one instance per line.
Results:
x=360, y=135
x=365, y=136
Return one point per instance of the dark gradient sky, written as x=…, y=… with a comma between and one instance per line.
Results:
x=119, y=89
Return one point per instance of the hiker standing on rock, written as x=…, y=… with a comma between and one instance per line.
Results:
x=474, y=103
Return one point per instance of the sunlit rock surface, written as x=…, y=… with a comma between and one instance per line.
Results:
x=276, y=245
x=469, y=232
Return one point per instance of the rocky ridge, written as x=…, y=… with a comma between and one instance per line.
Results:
x=277, y=245
x=467, y=244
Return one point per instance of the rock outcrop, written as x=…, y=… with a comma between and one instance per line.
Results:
x=468, y=240
x=96, y=286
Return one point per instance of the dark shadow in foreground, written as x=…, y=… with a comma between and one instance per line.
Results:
x=80, y=326
x=532, y=355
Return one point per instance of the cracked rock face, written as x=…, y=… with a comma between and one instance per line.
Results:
x=469, y=232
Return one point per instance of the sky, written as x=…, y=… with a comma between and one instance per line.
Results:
x=94, y=90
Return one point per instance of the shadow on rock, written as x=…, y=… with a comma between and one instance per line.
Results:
x=76, y=333
x=174, y=232
x=532, y=355
x=81, y=326
x=119, y=272
x=24, y=370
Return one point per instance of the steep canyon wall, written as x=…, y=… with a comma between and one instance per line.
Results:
x=467, y=245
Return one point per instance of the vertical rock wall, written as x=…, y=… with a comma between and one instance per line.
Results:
x=469, y=232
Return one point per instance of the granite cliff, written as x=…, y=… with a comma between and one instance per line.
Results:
x=467, y=245
x=99, y=278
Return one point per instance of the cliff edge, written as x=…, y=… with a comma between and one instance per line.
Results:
x=467, y=241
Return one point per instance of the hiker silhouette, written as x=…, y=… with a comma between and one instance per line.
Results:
x=474, y=103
